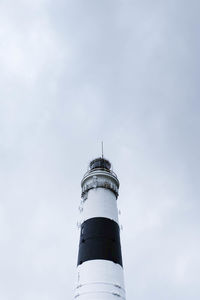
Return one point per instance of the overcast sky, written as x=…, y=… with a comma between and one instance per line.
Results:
x=73, y=73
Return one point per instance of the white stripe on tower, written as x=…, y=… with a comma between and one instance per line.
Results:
x=100, y=269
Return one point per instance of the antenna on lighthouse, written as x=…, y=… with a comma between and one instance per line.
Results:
x=102, y=148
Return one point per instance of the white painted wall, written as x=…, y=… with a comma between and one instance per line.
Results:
x=100, y=202
x=100, y=279
x=99, y=296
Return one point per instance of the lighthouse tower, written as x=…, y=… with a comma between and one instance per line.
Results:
x=99, y=267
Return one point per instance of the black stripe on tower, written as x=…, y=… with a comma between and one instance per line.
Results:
x=100, y=239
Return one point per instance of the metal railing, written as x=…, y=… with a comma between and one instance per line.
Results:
x=100, y=169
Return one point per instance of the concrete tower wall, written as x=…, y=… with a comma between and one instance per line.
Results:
x=99, y=267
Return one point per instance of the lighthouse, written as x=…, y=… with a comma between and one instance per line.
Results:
x=99, y=266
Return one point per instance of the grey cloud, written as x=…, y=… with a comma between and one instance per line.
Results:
x=74, y=73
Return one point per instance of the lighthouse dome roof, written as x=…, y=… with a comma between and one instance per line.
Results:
x=100, y=163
